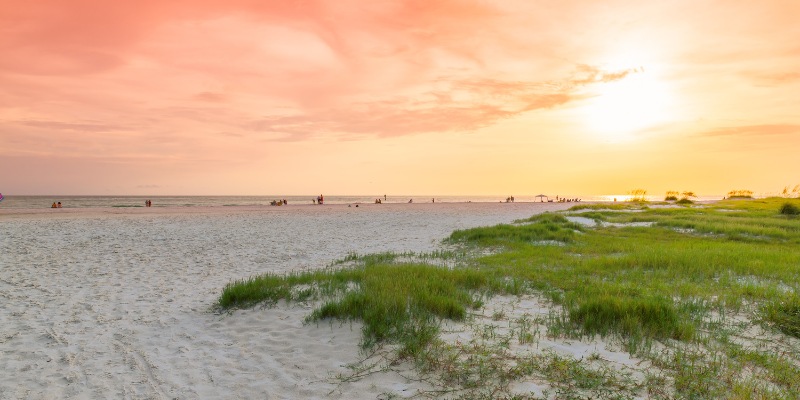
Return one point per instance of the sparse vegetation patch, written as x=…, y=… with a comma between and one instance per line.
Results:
x=707, y=298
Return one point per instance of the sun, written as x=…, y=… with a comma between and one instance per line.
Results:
x=618, y=109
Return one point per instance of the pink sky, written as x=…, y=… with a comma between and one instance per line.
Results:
x=416, y=97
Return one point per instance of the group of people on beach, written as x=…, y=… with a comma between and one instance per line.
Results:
x=278, y=202
x=379, y=201
x=510, y=199
x=148, y=203
x=56, y=205
x=563, y=200
x=318, y=200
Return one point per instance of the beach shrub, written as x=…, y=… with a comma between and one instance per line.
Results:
x=672, y=195
x=790, y=209
x=684, y=201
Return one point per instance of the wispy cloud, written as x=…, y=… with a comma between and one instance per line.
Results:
x=456, y=105
x=754, y=130
x=73, y=127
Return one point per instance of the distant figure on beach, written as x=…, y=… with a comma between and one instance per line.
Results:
x=285, y=202
x=410, y=200
x=512, y=198
x=54, y=205
x=384, y=197
x=320, y=199
x=59, y=205
x=433, y=200
x=313, y=201
x=148, y=203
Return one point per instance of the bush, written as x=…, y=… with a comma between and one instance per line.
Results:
x=790, y=209
x=684, y=201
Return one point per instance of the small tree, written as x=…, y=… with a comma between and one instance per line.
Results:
x=685, y=197
x=672, y=195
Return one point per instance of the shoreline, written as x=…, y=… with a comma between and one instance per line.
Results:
x=238, y=209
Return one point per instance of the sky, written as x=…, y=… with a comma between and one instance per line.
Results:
x=251, y=97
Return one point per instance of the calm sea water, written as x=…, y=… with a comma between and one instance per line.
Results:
x=12, y=201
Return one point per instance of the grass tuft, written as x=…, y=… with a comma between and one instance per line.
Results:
x=654, y=317
x=542, y=227
x=784, y=315
x=397, y=303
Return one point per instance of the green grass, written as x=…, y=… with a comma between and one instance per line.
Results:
x=676, y=293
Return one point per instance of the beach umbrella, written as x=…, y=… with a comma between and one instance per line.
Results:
x=541, y=196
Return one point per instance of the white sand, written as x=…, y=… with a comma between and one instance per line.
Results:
x=117, y=303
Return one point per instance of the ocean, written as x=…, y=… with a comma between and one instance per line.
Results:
x=12, y=201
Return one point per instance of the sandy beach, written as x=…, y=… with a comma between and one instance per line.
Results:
x=119, y=303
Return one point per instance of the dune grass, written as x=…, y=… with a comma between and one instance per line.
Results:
x=685, y=293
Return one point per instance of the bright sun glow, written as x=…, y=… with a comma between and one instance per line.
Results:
x=621, y=108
